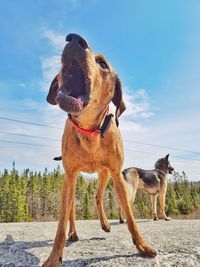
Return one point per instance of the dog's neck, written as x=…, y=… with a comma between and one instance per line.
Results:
x=161, y=171
x=91, y=120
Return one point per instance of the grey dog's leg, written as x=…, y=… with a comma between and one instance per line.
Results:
x=154, y=206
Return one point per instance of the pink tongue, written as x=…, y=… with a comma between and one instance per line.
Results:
x=68, y=103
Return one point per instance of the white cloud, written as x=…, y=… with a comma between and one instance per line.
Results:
x=50, y=65
x=162, y=133
x=29, y=104
x=57, y=40
x=132, y=127
x=30, y=156
x=22, y=85
x=137, y=110
x=138, y=105
x=177, y=132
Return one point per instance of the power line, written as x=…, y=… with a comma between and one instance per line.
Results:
x=57, y=140
x=51, y=139
x=150, y=159
x=24, y=143
x=46, y=146
x=32, y=123
x=167, y=147
x=138, y=157
x=150, y=153
x=31, y=136
x=126, y=140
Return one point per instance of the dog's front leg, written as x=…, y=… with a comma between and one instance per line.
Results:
x=154, y=206
x=162, y=207
x=67, y=197
x=119, y=184
x=162, y=195
x=104, y=177
x=72, y=236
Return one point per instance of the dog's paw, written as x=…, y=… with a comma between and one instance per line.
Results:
x=167, y=219
x=155, y=218
x=106, y=227
x=52, y=262
x=121, y=221
x=147, y=251
x=73, y=237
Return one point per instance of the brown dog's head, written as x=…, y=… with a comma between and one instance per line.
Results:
x=163, y=164
x=86, y=82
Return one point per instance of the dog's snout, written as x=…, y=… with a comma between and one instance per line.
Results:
x=76, y=39
x=171, y=169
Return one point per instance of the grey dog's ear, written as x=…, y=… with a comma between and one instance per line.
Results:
x=53, y=91
x=118, y=101
x=167, y=157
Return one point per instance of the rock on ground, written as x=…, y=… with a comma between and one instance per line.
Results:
x=177, y=243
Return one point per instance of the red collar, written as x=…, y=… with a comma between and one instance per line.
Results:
x=94, y=132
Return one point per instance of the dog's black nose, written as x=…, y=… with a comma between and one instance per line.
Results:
x=76, y=39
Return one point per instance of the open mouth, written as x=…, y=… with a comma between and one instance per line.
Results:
x=73, y=95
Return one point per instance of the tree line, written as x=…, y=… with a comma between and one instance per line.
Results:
x=35, y=196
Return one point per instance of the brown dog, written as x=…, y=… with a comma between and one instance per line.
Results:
x=84, y=88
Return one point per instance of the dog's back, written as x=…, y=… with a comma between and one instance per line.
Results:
x=136, y=178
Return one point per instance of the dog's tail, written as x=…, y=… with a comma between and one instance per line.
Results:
x=58, y=158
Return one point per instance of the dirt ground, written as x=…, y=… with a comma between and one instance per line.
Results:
x=28, y=244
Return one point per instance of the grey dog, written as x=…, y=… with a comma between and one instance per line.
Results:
x=152, y=181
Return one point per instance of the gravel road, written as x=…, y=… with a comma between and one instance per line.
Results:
x=28, y=244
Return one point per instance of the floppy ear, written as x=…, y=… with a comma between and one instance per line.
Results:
x=167, y=157
x=118, y=101
x=53, y=91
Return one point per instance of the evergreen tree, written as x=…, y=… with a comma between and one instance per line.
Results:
x=86, y=208
x=171, y=202
x=111, y=201
x=35, y=196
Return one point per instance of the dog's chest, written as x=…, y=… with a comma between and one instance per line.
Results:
x=89, y=147
x=91, y=156
x=92, y=164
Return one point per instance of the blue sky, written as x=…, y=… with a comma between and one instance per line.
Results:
x=154, y=48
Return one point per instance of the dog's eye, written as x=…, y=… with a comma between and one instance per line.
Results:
x=102, y=64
